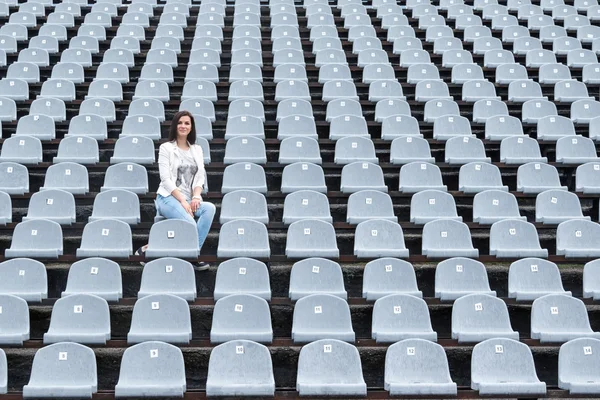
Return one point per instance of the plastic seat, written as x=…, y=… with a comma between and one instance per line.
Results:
x=464, y=73
x=435, y=109
x=311, y=237
x=422, y=72
x=333, y=90
x=241, y=316
x=537, y=177
x=105, y=89
x=458, y=277
x=534, y=110
x=447, y=238
x=106, y=238
x=163, y=317
x=564, y=45
x=476, y=177
x=245, y=149
x=91, y=125
x=244, y=126
x=378, y=72
x=465, y=150
x=570, y=91
x=152, y=89
x=383, y=90
x=504, y=367
x=244, y=204
x=452, y=58
x=390, y=107
x=506, y=74
x=147, y=107
x=538, y=58
x=431, y=90
x=418, y=176
x=251, y=376
x=99, y=106
x=306, y=204
x=69, y=322
x=369, y=204
x=560, y=318
x=339, y=375
x=486, y=109
x=531, y=278
x=287, y=72
x=24, y=278
x=554, y=73
x=22, y=149
x=131, y=30
x=418, y=367
x=389, y=243
x=128, y=176
x=348, y=125
x=575, y=150
x=245, y=90
x=157, y=72
x=473, y=91
x=77, y=149
x=15, y=178
x=67, y=176
x=95, y=276
x=398, y=126
x=141, y=125
x=334, y=72
x=242, y=276
x=243, y=238
x=295, y=126
x=321, y=316
x=478, y=317
x=151, y=368
x=168, y=275
x=386, y=276
x=5, y=209
x=586, y=178
x=37, y=126
x=42, y=206
x=520, y=150
x=449, y=126
x=63, y=370
x=576, y=368
x=495, y=58
x=316, y=276
x=583, y=111
x=8, y=109
x=292, y=89
x=552, y=128
x=358, y=176
x=510, y=34
x=494, y=205
x=15, y=326
x=401, y=316
x=338, y=108
x=500, y=127
x=591, y=74
x=299, y=149
x=430, y=205
x=352, y=149
x=293, y=107
x=577, y=238
x=513, y=238
x=199, y=90
x=25, y=71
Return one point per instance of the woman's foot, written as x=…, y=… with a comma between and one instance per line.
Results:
x=201, y=266
x=141, y=252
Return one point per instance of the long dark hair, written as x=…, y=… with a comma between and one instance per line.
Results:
x=173, y=129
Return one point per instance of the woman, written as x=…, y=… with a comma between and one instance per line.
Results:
x=181, y=168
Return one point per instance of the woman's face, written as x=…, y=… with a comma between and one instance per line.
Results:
x=184, y=126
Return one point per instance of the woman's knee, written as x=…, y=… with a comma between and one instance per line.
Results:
x=207, y=210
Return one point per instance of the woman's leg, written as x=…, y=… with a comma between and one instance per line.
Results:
x=205, y=214
x=170, y=208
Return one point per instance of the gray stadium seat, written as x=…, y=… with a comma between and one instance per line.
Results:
x=128, y=176
x=147, y=107
x=37, y=238
x=478, y=317
x=316, y=276
x=163, y=317
x=14, y=179
x=418, y=367
x=54, y=205
x=431, y=90
x=458, y=276
x=520, y=91
x=296, y=126
x=578, y=238
x=54, y=108
x=575, y=150
x=330, y=366
x=449, y=126
x=89, y=125
x=369, y=204
x=553, y=73
x=244, y=204
x=520, y=150
x=241, y=316
x=106, y=238
x=409, y=149
x=240, y=368
x=491, y=206
x=14, y=89
x=503, y=366
x=22, y=149
x=292, y=89
x=243, y=238
x=401, y=316
x=512, y=238
x=81, y=318
x=303, y=176
x=530, y=278
x=286, y=72
x=435, y=109
x=105, y=89
x=97, y=276
x=160, y=242
x=537, y=177
x=244, y=126
x=560, y=318
x=321, y=316
x=556, y=206
x=39, y=126
x=151, y=369
x=447, y=238
x=476, y=177
x=386, y=276
x=464, y=150
x=246, y=176
x=334, y=72
x=24, y=278
x=15, y=327
x=583, y=111
x=417, y=176
x=578, y=366
x=306, y=204
x=63, y=370
x=5, y=209
x=379, y=238
x=399, y=126
x=99, y=106
x=464, y=73
x=311, y=238
x=570, y=91
x=26, y=71
x=8, y=109
x=133, y=149
x=245, y=90
x=168, y=276
x=152, y=89
x=339, y=89
x=429, y=205
x=77, y=149
x=299, y=149
x=587, y=180
x=59, y=89
x=338, y=108
x=591, y=280
x=362, y=176
x=473, y=91
x=534, y=110
x=242, y=276
x=291, y=107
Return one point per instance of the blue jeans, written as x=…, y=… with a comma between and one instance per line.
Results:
x=170, y=208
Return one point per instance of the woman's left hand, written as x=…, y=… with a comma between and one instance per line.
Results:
x=195, y=205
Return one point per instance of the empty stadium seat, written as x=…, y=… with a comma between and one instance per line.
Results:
x=515, y=238
x=537, y=177
x=458, y=276
x=5, y=209
x=578, y=238
x=168, y=276
x=243, y=238
x=306, y=204
x=241, y=316
x=476, y=177
x=303, y=176
x=429, y=205
x=163, y=317
x=577, y=365
x=556, y=206
x=246, y=176
x=560, y=318
x=54, y=205
x=151, y=369
x=63, y=370
x=530, y=278
x=24, y=278
x=386, y=276
x=39, y=238
x=401, y=316
x=311, y=238
x=23, y=150
x=316, y=276
x=500, y=126
x=405, y=150
x=242, y=275
x=503, y=366
x=106, y=238
x=478, y=317
x=520, y=150
x=379, y=238
x=95, y=276
x=38, y=126
x=321, y=316
x=417, y=176
x=330, y=366
x=447, y=238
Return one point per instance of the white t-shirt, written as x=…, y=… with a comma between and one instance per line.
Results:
x=186, y=172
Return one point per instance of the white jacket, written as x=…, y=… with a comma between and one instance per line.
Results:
x=168, y=163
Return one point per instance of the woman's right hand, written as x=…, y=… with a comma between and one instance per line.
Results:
x=187, y=207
